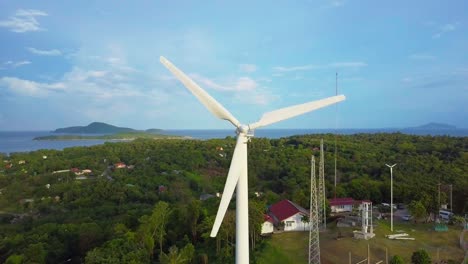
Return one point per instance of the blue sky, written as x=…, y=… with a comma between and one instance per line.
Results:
x=399, y=63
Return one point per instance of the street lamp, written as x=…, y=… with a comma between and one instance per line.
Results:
x=391, y=195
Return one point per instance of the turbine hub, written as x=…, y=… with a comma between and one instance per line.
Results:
x=243, y=129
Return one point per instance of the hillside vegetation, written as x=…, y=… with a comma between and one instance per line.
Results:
x=150, y=211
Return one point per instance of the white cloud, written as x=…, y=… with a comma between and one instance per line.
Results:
x=24, y=20
x=337, y=3
x=245, y=83
x=52, y=52
x=15, y=64
x=295, y=68
x=239, y=84
x=103, y=81
x=244, y=89
x=248, y=67
x=332, y=4
x=350, y=64
x=422, y=57
x=257, y=97
x=407, y=79
x=444, y=29
x=30, y=88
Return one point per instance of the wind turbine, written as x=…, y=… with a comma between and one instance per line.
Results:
x=237, y=174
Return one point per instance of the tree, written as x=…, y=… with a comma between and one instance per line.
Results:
x=420, y=257
x=153, y=227
x=396, y=260
x=256, y=219
x=417, y=209
x=161, y=215
x=35, y=253
x=193, y=211
x=178, y=257
x=14, y=259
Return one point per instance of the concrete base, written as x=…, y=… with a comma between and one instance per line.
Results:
x=361, y=235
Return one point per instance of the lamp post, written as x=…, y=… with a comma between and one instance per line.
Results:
x=391, y=195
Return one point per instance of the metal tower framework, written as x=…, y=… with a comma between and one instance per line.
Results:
x=321, y=190
x=314, y=243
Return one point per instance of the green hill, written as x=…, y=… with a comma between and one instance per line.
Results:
x=100, y=128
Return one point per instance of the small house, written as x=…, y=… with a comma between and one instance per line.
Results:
x=120, y=165
x=268, y=225
x=341, y=205
x=290, y=214
x=206, y=196
x=162, y=188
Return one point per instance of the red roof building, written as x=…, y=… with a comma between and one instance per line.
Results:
x=341, y=201
x=120, y=165
x=290, y=214
x=268, y=225
x=339, y=205
x=285, y=209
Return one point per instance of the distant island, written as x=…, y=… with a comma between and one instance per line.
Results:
x=434, y=125
x=96, y=129
x=102, y=128
x=119, y=136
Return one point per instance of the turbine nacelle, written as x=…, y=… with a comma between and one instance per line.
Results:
x=244, y=129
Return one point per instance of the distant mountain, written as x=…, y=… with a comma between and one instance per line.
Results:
x=433, y=125
x=101, y=128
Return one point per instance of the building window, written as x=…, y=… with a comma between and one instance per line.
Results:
x=289, y=223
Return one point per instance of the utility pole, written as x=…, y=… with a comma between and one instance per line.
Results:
x=391, y=195
x=438, y=186
x=386, y=255
x=451, y=208
x=322, y=198
x=368, y=254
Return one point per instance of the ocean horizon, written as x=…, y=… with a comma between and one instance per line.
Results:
x=22, y=141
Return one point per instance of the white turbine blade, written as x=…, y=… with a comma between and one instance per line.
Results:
x=209, y=102
x=292, y=111
x=238, y=159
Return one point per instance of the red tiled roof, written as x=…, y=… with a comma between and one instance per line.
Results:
x=285, y=209
x=341, y=201
x=268, y=218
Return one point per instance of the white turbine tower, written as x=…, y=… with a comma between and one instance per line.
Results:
x=237, y=174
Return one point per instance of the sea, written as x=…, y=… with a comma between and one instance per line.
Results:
x=22, y=141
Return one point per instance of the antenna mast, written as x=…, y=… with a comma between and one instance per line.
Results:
x=336, y=125
x=314, y=243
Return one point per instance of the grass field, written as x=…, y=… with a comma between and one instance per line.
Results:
x=292, y=247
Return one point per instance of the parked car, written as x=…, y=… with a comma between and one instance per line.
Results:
x=445, y=215
x=406, y=217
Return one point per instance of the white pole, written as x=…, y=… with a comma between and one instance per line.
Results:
x=371, y=214
x=242, y=211
x=451, y=208
x=391, y=195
